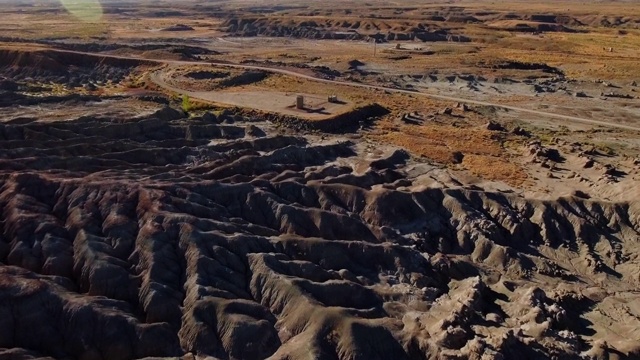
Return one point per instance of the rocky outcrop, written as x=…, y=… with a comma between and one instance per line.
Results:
x=69, y=68
x=137, y=238
x=337, y=31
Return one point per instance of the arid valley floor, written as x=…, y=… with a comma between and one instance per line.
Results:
x=459, y=180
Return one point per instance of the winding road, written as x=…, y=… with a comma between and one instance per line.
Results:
x=359, y=85
x=432, y=96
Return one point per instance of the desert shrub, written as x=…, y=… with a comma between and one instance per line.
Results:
x=186, y=103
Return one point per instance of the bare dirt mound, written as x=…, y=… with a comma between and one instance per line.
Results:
x=518, y=65
x=207, y=80
x=245, y=78
x=178, y=27
x=133, y=238
x=207, y=75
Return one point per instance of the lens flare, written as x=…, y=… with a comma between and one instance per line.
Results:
x=85, y=10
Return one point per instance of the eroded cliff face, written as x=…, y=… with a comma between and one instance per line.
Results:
x=342, y=30
x=140, y=238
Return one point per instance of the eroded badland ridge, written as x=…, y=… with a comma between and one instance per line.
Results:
x=344, y=180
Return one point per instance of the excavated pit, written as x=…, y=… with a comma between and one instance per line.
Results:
x=164, y=236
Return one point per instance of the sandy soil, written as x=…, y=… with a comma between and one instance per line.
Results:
x=316, y=106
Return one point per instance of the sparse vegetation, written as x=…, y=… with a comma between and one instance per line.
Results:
x=186, y=103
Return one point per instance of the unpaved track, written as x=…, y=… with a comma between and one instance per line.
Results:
x=360, y=85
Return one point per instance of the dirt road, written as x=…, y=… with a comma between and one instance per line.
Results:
x=433, y=96
x=360, y=85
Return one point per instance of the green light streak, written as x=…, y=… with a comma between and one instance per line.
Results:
x=85, y=10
